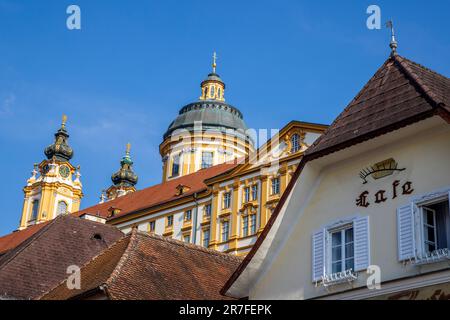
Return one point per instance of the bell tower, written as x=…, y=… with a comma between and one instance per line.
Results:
x=54, y=187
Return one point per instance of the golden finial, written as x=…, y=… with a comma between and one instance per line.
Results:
x=128, y=148
x=64, y=120
x=214, y=65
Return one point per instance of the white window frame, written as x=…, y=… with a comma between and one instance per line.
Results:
x=329, y=244
x=322, y=254
x=418, y=204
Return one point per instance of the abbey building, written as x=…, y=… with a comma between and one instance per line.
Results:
x=218, y=189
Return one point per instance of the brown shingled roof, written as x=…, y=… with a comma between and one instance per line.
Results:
x=158, y=194
x=400, y=93
x=150, y=267
x=41, y=262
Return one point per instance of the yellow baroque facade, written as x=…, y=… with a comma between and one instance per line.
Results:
x=235, y=206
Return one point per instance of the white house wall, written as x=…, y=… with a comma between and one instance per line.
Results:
x=286, y=270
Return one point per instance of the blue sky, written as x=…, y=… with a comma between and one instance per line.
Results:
x=134, y=64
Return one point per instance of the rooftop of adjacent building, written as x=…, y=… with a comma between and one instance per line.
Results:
x=135, y=268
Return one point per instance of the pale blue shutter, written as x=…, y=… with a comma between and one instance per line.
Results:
x=405, y=225
x=361, y=243
x=318, y=255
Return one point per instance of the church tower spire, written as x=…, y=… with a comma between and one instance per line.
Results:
x=213, y=88
x=123, y=180
x=54, y=187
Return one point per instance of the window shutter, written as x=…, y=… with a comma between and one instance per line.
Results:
x=361, y=243
x=318, y=255
x=405, y=224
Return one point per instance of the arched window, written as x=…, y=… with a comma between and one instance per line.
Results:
x=176, y=166
x=62, y=208
x=213, y=90
x=219, y=92
x=206, y=92
x=34, y=210
x=295, y=143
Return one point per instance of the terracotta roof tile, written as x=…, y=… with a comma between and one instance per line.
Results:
x=41, y=262
x=14, y=239
x=400, y=91
x=150, y=267
x=158, y=194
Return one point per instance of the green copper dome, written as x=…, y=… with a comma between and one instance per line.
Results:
x=212, y=115
x=125, y=176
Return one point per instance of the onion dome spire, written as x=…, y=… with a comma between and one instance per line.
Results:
x=213, y=88
x=125, y=177
x=60, y=149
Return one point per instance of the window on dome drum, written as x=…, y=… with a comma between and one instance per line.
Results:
x=208, y=209
x=187, y=238
x=219, y=92
x=255, y=192
x=436, y=226
x=206, y=238
x=247, y=194
x=245, y=226
x=227, y=200
x=188, y=215
x=206, y=92
x=342, y=250
x=151, y=226
x=169, y=221
x=253, y=223
x=225, y=230
x=295, y=143
x=176, y=166
x=275, y=186
x=207, y=159
x=213, y=90
x=34, y=210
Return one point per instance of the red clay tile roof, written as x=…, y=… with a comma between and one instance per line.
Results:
x=401, y=92
x=12, y=240
x=150, y=267
x=158, y=194
x=41, y=262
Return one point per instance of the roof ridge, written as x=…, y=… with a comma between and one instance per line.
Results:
x=126, y=254
x=84, y=266
x=27, y=242
x=416, y=79
x=349, y=105
x=190, y=246
x=185, y=177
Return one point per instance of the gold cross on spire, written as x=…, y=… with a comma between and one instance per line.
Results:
x=214, y=65
x=64, y=120
x=128, y=148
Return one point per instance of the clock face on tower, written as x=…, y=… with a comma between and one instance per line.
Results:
x=64, y=171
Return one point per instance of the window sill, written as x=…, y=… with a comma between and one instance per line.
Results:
x=433, y=257
x=337, y=278
x=186, y=226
